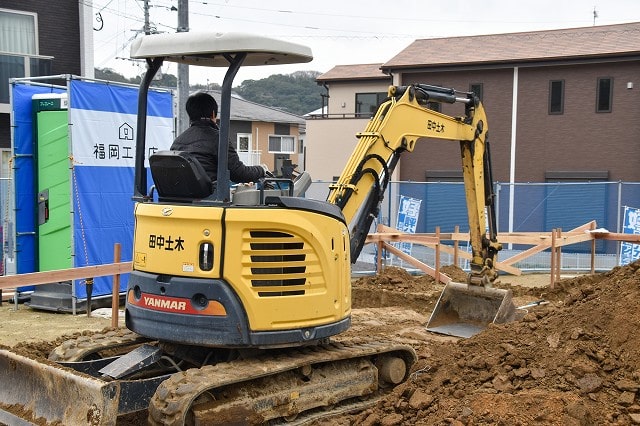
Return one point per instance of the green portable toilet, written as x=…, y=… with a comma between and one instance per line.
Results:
x=53, y=180
x=74, y=171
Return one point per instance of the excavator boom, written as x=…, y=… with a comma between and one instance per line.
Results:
x=403, y=119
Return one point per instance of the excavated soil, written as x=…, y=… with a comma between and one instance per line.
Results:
x=572, y=360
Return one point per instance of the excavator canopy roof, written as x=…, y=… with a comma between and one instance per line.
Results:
x=208, y=49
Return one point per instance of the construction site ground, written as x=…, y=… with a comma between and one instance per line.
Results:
x=572, y=360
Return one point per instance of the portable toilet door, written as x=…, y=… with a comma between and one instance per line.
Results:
x=51, y=121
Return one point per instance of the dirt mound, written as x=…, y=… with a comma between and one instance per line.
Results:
x=572, y=361
x=575, y=361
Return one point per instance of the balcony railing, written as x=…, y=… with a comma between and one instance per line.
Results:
x=249, y=158
x=318, y=116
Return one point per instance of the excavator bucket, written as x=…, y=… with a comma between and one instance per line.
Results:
x=464, y=310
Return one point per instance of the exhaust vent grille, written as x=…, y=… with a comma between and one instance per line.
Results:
x=277, y=263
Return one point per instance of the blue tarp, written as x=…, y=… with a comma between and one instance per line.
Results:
x=103, y=121
x=25, y=185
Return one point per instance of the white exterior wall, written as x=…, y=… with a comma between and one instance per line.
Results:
x=342, y=96
x=86, y=38
x=330, y=141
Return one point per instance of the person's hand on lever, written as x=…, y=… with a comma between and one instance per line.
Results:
x=267, y=172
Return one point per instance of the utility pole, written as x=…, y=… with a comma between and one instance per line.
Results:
x=183, y=69
x=146, y=17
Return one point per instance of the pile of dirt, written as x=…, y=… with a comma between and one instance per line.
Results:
x=395, y=286
x=574, y=361
x=42, y=348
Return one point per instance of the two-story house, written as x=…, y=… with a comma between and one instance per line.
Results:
x=562, y=105
x=265, y=135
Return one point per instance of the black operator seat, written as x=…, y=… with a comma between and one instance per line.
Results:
x=179, y=176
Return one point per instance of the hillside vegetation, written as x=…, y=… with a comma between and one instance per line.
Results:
x=296, y=93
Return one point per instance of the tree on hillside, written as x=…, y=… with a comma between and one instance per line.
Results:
x=110, y=75
x=161, y=80
x=297, y=93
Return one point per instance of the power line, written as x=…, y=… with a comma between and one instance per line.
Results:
x=403, y=18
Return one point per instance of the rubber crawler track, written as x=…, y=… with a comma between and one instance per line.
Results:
x=77, y=349
x=174, y=397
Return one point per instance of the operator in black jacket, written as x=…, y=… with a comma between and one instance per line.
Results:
x=202, y=138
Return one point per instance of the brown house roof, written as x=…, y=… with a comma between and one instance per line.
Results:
x=354, y=72
x=574, y=43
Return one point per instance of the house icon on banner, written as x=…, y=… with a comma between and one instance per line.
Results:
x=125, y=132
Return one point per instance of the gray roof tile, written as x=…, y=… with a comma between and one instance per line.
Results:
x=585, y=42
x=354, y=72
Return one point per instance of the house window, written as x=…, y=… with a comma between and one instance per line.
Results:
x=604, y=95
x=282, y=144
x=243, y=142
x=18, y=32
x=17, y=37
x=556, y=96
x=577, y=176
x=476, y=89
x=443, y=176
x=244, y=148
x=367, y=103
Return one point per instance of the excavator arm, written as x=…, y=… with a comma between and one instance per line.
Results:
x=399, y=122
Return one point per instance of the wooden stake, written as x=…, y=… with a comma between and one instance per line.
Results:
x=437, y=265
x=593, y=251
x=115, y=291
x=456, y=229
x=89, y=284
x=553, y=259
x=558, y=254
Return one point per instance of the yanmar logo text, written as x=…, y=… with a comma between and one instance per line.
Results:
x=178, y=305
x=164, y=304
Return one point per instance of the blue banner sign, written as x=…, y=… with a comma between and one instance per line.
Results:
x=630, y=252
x=408, y=211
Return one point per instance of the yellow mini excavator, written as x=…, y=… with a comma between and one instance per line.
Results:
x=235, y=294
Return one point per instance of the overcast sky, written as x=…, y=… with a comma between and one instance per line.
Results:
x=339, y=32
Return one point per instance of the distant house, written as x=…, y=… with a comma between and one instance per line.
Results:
x=562, y=105
x=36, y=41
x=265, y=135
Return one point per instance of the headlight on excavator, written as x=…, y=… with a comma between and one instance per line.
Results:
x=205, y=256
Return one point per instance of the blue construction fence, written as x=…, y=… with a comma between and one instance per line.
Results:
x=521, y=207
x=525, y=207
